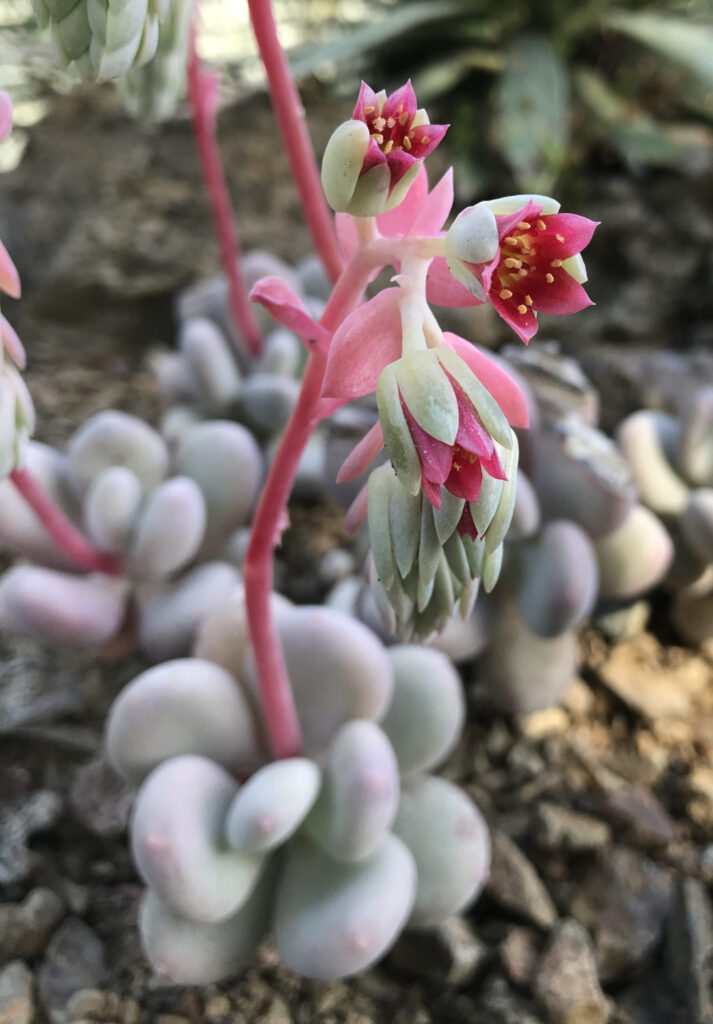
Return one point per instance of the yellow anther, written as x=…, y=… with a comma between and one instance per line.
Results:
x=528, y=300
x=522, y=309
x=388, y=147
x=556, y=263
x=378, y=139
x=524, y=226
x=512, y=264
x=560, y=238
x=549, y=278
x=369, y=110
x=407, y=143
x=541, y=225
x=523, y=272
x=391, y=123
x=424, y=140
x=403, y=118
x=511, y=240
x=379, y=124
x=505, y=293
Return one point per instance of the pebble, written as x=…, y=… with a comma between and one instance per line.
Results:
x=642, y=674
x=547, y=722
x=100, y=799
x=623, y=902
x=18, y=822
x=450, y=954
x=217, y=1009
x=559, y=828
x=566, y=983
x=515, y=885
x=519, y=954
x=17, y=1003
x=501, y=1006
x=74, y=960
x=26, y=928
x=689, y=948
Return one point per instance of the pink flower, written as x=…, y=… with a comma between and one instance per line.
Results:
x=536, y=267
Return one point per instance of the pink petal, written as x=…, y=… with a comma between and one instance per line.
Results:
x=577, y=233
x=401, y=101
x=397, y=222
x=288, y=309
x=442, y=289
x=9, y=277
x=357, y=511
x=523, y=324
x=5, y=114
x=466, y=526
x=12, y=343
x=399, y=162
x=494, y=378
x=373, y=157
x=367, y=341
x=563, y=296
x=425, y=139
x=465, y=479
x=487, y=270
x=434, y=209
x=493, y=466
x=361, y=455
x=507, y=221
x=366, y=98
x=432, y=492
x=435, y=456
x=472, y=435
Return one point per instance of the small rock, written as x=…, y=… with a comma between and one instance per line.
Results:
x=25, y=928
x=578, y=699
x=74, y=960
x=450, y=954
x=501, y=1006
x=566, y=983
x=519, y=954
x=100, y=799
x=18, y=822
x=93, y=1004
x=626, y=623
x=547, y=722
x=689, y=948
x=17, y=1004
x=559, y=828
x=515, y=885
x=623, y=903
x=217, y=1009
x=640, y=813
x=654, y=681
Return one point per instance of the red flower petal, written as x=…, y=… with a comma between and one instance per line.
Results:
x=372, y=157
x=494, y=378
x=442, y=289
x=575, y=233
x=507, y=221
x=288, y=309
x=366, y=98
x=494, y=467
x=361, y=455
x=523, y=324
x=472, y=435
x=401, y=101
x=435, y=456
x=425, y=138
x=466, y=526
x=563, y=296
x=399, y=162
x=367, y=341
x=465, y=478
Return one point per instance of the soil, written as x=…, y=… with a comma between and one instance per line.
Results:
x=601, y=810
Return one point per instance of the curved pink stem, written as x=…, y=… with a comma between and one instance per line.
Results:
x=65, y=535
x=200, y=93
x=295, y=136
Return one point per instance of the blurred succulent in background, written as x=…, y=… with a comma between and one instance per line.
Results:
x=631, y=79
x=151, y=91
x=671, y=459
x=166, y=517
x=333, y=852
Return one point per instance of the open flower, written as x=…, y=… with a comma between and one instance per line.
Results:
x=371, y=161
x=536, y=265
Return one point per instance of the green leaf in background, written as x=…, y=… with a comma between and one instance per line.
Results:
x=683, y=42
x=370, y=35
x=532, y=100
x=440, y=77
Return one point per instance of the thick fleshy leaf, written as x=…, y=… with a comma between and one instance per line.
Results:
x=367, y=341
x=442, y=289
x=360, y=456
x=434, y=209
x=9, y=277
x=494, y=378
x=288, y=309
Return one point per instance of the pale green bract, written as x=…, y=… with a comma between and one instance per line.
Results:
x=151, y=91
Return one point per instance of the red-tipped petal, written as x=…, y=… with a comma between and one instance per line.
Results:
x=366, y=98
x=373, y=157
x=494, y=467
x=472, y=435
x=562, y=297
x=361, y=455
x=288, y=309
x=397, y=222
x=402, y=101
x=523, y=324
x=357, y=512
x=399, y=162
x=425, y=138
x=367, y=341
x=9, y=277
x=465, y=479
x=565, y=235
x=494, y=378
x=442, y=289
x=432, y=492
x=435, y=456
x=434, y=209
x=466, y=526
x=507, y=221
x=5, y=114
x=12, y=343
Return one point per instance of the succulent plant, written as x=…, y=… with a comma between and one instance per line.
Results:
x=165, y=518
x=333, y=852
x=152, y=90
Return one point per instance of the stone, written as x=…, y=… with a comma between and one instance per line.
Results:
x=623, y=902
x=559, y=828
x=74, y=960
x=93, y=1004
x=627, y=623
x=656, y=682
x=17, y=1003
x=566, y=983
x=100, y=799
x=18, y=822
x=689, y=948
x=515, y=885
x=26, y=928
x=636, y=809
x=217, y=1009
x=448, y=954
x=519, y=953
x=548, y=722
x=501, y=1006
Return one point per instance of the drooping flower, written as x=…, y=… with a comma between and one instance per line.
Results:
x=371, y=161
x=536, y=266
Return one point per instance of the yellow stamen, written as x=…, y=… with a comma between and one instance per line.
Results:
x=369, y=110
x=407, y=143
x=511, y=240
x=556, y=263
x=522, y=273
x=424, y=140
x=378, y=139
x=505, y=293
x=528, y=300
x=512, y=264
x=522, y=309
x=403, y=118
x=560, y=238
x=549, y=278
x=388, y=147
x=379, y=123
x=524, y=226
x=541, y=225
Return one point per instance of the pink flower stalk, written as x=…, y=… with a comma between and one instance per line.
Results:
x=536, y=267
x=399, y=137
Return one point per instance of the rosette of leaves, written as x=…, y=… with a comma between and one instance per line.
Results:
x=671, y=459
x=164, y=517
x=151, y=91
x=333, y=852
